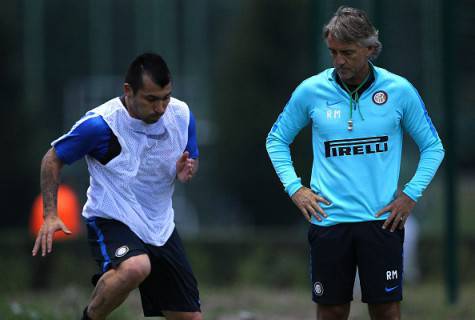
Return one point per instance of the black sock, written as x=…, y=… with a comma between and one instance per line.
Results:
x=84, y=315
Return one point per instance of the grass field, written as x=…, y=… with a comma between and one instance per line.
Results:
x=423, y=301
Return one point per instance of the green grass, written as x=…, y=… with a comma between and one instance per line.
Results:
x=422, y=301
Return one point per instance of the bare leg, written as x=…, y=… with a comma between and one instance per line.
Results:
x=333, y=311
x=116, y=284
x=172, y=315
x=385, y=311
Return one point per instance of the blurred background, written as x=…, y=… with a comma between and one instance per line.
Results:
x=236, y=64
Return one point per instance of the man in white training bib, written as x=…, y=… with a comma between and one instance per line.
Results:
x=136, y=147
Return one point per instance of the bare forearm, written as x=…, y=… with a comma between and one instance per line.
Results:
x=49, y=180
x=196, y=166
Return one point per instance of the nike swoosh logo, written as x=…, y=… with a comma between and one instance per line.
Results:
x=391, y=289
x=331, y=103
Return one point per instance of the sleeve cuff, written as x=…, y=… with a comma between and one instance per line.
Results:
x=411, y=192
x=293, y=187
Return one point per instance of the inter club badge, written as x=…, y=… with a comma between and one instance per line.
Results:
x=380, y=97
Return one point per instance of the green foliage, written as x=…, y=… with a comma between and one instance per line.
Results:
x=267, y=266
x=272, y=258
x=254, y=76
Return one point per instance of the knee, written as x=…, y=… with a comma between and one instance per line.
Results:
x=389, y=311
x=135, y=269
x=194, y=316
x=183, y=315
x=337, y=311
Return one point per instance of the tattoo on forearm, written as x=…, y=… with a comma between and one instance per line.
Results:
x=50, y=179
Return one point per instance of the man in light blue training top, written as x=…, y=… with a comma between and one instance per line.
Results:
x=358, y=113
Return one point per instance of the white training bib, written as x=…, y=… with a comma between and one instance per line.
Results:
x=136, y=187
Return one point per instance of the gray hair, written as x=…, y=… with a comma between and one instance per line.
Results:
x=353, y=25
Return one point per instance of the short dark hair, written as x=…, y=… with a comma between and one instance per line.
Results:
x=151, y=64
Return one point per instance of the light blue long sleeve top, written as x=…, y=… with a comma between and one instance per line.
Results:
x=356, y=170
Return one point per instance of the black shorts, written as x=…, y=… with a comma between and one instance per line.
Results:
x=335, y=253
x=171, y=285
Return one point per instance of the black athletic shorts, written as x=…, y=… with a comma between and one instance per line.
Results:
x=337, y=251
x=171, y=285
